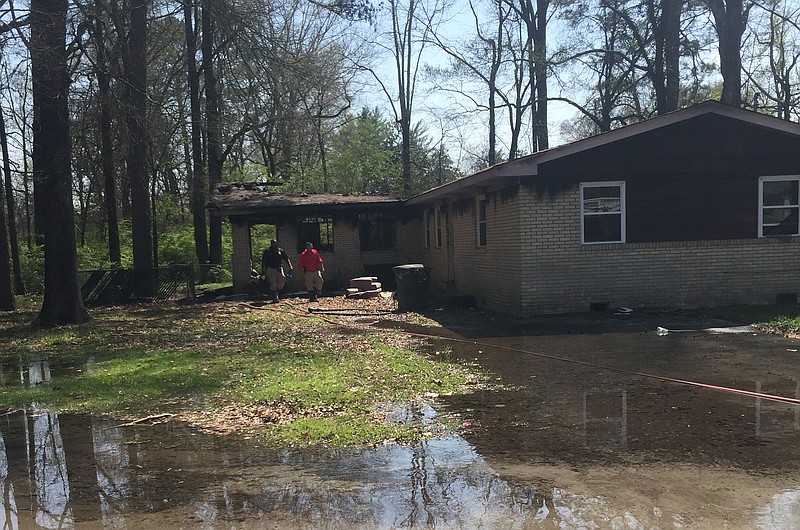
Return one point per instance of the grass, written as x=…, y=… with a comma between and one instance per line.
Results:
x=290, y=378
x=780, y=318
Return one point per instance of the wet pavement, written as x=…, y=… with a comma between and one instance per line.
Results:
x=587, y=433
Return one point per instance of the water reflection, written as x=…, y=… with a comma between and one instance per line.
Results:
x=576, y=449
x=605, y=418
x=777, y=418
x=71, y=470
x=124, y=477
x=9, y=518
x=50, y=472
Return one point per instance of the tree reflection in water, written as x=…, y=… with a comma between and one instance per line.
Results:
x=50, y=472
x=9, y=518
x=63, y=471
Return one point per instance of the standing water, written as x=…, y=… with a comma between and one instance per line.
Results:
x=589, y=431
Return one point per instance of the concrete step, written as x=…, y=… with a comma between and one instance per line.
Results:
x=355, y=293
x=365, y=284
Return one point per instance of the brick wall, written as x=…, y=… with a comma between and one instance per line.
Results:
x=564, y=275
x=240, y=258
x=433, y=257
x=491, y=273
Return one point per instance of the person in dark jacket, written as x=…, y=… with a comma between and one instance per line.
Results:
x=272, y=268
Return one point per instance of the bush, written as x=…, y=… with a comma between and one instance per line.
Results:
x=219, y=274
x=177, y=246
x=32, y=264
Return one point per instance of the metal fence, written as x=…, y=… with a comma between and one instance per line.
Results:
x=121, y=286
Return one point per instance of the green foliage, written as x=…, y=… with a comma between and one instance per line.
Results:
x=363, y=156
x=32, y=265
x=219, y=274
x=170, y=211
x=252, y=172
x=177, y=246
x=93, y=254
x=260, y=236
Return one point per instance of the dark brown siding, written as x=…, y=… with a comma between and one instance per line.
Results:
x=695, y=180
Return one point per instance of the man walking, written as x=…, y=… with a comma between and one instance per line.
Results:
x=272, y=270
x=311, y=263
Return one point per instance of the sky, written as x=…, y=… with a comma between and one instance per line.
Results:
x=432, y=107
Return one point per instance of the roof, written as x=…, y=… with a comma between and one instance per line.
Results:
x=528, y=166
x=239, y=198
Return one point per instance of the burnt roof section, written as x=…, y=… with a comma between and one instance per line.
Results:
x=243, y=198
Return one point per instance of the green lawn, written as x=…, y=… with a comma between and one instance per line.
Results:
x=318, y=382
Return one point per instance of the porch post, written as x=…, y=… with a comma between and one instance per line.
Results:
x=240, y=259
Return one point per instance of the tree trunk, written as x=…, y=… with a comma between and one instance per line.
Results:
x=198, y=185
x=107, y=146
x=19, y=285
x=671, y=19
x=7, y=302
x=540, y=126
x=51, y=163
x=29, y=222
x=730, y=19
x=535, y=19
x=136, y=117
x=213, y=148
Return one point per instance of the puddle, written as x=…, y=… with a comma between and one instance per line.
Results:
x=579, y=440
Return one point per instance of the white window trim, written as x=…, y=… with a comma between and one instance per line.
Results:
x=622, y=213
x=478, y=201
x=438, y=236
x=426, y=235
x=761, y=207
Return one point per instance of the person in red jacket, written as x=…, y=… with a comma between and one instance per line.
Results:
x=311, y=263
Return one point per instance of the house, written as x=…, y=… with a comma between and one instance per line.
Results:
x=355, y=234
x=698, y=207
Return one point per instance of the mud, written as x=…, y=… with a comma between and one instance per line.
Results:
x=586, y=434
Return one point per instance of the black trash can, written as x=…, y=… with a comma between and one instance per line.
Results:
x=412, y=287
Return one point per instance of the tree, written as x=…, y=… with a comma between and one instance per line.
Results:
x=134, y=59
x=730, y=21
x=772, y=73
x=481, y=59
x=198, y=180
x=106, y=138
x=19, y=285
x=7, y=302
x=363, y=156
x=62, y=302
x=606, y=62
x=213, y=140
x=411, y=21
x=535, y=14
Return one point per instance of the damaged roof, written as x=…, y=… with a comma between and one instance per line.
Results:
x=246, y=198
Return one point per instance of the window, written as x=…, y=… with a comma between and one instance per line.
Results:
x=376, y=231
x=779, y=200
x=603, y=212
x=428, y=228
x=317, y=230
x=481, y=232
x=438, y=228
